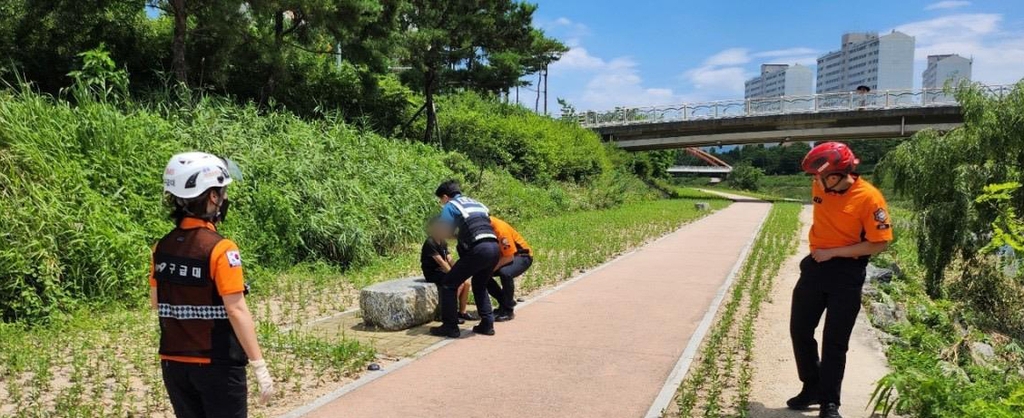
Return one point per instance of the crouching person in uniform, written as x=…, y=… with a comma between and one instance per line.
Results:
x=478, y=253
x=516, y=258
x=851, y=223
x=207, y=335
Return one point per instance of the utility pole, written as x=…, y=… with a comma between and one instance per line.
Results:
x=545, y=89
x=536, y=103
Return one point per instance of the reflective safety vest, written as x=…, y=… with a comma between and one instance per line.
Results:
x=193, y=319
x=476, y=221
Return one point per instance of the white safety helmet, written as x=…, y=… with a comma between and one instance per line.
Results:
x=190, y=174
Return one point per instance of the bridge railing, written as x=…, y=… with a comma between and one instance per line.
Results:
x=824, y=102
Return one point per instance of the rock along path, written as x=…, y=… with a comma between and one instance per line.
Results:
x=604, y=345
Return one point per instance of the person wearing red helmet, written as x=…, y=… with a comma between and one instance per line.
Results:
x=851, y=224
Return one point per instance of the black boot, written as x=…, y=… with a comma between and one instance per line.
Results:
x=504, y=316
x=446, y=331
x=805, y=399
x=829, y=410
x=485, y=329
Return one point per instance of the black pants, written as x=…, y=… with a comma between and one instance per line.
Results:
x=506, y=293
x=477, y=263
x=833, y=286
x=206, y=390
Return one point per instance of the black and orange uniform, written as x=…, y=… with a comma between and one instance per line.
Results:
x=431, y=270
x=510, y=244
x=202, y=360
x=853, y=216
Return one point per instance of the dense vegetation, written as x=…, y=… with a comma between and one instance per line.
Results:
x=958, y=350
x=307, y=55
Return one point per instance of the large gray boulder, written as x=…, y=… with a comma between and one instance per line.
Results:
x=398, y=304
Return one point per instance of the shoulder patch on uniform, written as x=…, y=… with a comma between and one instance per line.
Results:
x=880, y=215
x=817, y=199
x=884, y=226
x=234, y=258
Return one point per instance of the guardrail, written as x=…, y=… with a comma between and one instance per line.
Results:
x=738, y=108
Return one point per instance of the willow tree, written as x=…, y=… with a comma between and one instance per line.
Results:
x=942, y=176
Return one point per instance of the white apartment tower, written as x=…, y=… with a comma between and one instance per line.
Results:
x=943, y=68
x=866, y=59
x=778, y=80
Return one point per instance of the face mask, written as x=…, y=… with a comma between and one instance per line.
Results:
x=223, y=212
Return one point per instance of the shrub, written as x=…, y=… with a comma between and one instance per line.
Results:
x=746, y=177
x=531, y=147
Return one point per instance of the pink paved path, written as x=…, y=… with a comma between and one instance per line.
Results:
x=600, y=347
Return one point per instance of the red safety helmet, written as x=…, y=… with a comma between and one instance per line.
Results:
x=830, y=158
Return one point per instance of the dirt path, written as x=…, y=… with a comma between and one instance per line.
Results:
x=775, y=378
x=602, y=346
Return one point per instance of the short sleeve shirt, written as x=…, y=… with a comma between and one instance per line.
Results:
x=225, y=261
x=510, y=242
x=857, y=215
x=427, y=253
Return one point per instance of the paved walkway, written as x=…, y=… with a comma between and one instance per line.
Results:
x=775, y=378
x=602, y=346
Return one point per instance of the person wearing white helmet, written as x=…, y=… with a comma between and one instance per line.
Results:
x=207, y=334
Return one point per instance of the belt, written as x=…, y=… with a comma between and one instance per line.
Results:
x=478, y=239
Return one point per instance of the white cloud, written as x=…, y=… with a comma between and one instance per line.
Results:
x=566, y=26
x=619, y=83
x=722, y=75
x=997, y=53
x=948, y=4
x=577, y=58
x=785, y=52
x=731, y=56
x=727, y=81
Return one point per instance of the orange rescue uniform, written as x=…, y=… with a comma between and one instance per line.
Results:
x=226, y=273
x=510, y=242
x=859, y=214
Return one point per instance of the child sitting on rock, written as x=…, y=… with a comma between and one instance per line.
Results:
x=436, y=260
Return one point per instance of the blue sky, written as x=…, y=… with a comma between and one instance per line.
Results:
x=673, y=51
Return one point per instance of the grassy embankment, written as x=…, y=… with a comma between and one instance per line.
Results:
x=323, y=210
x=718, y=383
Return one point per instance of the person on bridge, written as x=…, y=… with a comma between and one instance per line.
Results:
x=207, y=334
x=478, y=254
x=851, y=224
x=516, y=258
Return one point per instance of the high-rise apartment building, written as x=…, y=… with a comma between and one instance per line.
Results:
x=950, y=68
x=779, y=80
x=879, y=62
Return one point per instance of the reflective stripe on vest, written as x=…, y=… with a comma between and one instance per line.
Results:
x=193, y=319
x=184, y=312
x=468, y=207
x=476, y=221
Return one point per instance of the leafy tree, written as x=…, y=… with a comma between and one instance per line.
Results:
x=941, y=176
x=471, y=44
x=746, y=177
x=43, y=37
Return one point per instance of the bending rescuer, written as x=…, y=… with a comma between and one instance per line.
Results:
x=851, y=224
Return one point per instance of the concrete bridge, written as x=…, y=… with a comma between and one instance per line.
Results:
x=698, y=169
x=831, y=116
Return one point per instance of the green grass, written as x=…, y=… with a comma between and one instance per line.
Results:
x=772, y=188
x=80, y=191
x=101, y=361
x=719, y=383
